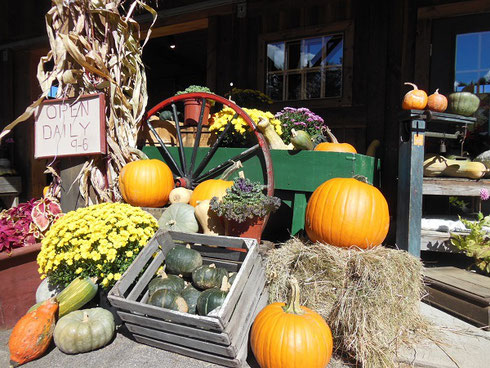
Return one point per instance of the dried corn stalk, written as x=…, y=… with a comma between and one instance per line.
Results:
x=96, y=49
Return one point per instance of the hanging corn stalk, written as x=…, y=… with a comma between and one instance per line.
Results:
x=95, y=47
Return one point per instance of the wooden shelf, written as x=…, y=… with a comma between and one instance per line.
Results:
x=437, y=241
x=454, y=186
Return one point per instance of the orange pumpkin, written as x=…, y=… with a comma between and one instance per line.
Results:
x=146, y=183
x=437, y=102
x=346, y=212
x=414, y=99
x=209, y=189
x=291, y=336
x=32, y=334
x=334, y=146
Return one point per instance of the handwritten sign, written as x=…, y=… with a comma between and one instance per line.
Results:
x=70, y=127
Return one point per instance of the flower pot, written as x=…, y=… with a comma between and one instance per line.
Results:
x=19, y=281
x=192, y=109
x=252, y=228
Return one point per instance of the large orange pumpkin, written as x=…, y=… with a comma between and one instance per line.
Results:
x=345, y=212
x=291, y=336
x=209, y=189
x=146, y=183
x=32, y=333
x=334, y=146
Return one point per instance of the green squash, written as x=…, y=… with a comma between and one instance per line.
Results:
x=190, y=295
x=211, y=299
x=179, y=217
x=46, y=290
x=84, y=330
x=182, y=261
x=232, y=277
x=164, y=281
x=169, y=299
x=207, y=277
x=301, y=140
x=463, y=103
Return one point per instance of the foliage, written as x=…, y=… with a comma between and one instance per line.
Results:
x=18, y=226
x=96, y=241
x=245, y=199
x=301, y=119
x=249, y=98
x=240, y=134
x=476, y=244
x=193, y=88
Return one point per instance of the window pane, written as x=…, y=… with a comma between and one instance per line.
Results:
x=334, y=47
x=313, y=85
x=294, y=61
x=312, y=53
x=485, y=50
x=333, y=83
x=275, y=86
x=275, y=56
x=467, y=52
x=294, y=87
x=465, y=78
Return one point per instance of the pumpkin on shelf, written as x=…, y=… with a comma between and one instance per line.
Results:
x=32, y=333
x=301, y=140
x=146, y=183
x=347, y=212
x=334, y=145
x=414, y=99
x=463, y=103
x=437, y=102
x=84, y=330
x=289, y=336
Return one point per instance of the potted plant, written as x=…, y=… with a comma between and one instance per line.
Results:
x=244, y=208
x=192, y=106
x=21, y=230
x=301, y=119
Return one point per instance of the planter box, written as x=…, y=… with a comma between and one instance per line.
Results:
x=19, y=281
x=221, y=337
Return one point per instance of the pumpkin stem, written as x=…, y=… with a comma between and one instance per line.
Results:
x=436, y=92
x=293, y=305
x=361, y=178
x=85, y=317
x=331, y=136
x=138, y=153
x=225, y=285
x=230, y=170
x=411, y=84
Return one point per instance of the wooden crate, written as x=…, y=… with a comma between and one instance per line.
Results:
x=221, y=337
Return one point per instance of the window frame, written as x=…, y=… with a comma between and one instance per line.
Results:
x=346, y=28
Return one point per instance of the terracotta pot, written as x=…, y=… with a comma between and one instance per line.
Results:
x=19, y=282
x=192, y=109
x=252, y=228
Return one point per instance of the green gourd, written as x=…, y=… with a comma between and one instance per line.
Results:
x=463, y=103
x=179, y=217
x=182, y=260
x=169, y=299
x=301, y=140
x=164, y=281
x=190, y=295
x=211, y=299
x=84, y=330
x=207, y=277
x=46, y=290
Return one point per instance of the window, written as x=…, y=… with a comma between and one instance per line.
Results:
x=305, y=69
x=472, y=61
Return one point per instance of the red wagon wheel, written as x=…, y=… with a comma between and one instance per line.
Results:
x=187, y=173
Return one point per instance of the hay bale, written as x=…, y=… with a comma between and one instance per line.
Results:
x=369, y=298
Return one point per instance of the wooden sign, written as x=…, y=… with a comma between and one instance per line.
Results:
x=70, y=127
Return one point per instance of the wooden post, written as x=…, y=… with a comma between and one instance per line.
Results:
x=71, y=198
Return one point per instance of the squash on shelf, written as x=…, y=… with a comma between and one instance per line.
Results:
x=437, y=165
x=210, y=222
x=301, y=140
x=274, y=140
x=179, y=217
x=334, y=145
x=414, y=99
x=180, y=195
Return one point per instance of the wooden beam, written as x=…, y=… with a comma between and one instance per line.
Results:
x=172, y=29
x=454, y=9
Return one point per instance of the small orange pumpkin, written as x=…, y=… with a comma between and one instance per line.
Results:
x=414, y=99
x=291, y=336
x=346, y=212
x=32, y=333
x=437, y=102
x=334, y=146
x=146, y=183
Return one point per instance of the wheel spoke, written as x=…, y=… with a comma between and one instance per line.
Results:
x=179, y=137
x=164, y=147
x=198, y=136
x=227, y=163
x=213, y=148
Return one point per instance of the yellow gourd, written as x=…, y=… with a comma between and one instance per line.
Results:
x=274, y=140
x=436, y=165
x=180, y=195
x=210, y=222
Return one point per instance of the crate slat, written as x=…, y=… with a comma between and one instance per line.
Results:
x=220, y=252
x=218, y=241
x=219, y=338
x=146, y=277
x=229, y=266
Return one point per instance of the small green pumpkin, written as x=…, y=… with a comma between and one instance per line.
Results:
x=179, y=217
x=463, y=103
x=169, y=299
x=190, y=295
x=207, y=277
x=182, y=261
x=301, y=140
x=84, y=330
x=164, y=281
x=211, y=299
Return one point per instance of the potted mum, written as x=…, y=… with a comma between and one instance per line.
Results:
x=192, y=106
x=244, y=208
x=301, y=119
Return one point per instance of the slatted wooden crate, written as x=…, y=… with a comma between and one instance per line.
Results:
x=221, y=337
